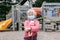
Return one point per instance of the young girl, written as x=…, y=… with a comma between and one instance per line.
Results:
x=31, y=26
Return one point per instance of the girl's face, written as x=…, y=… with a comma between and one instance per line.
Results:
x=30, y=14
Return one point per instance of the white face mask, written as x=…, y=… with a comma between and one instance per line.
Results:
x=31, y=17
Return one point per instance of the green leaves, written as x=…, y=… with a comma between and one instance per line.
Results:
x=52, y=0
x=38, y=3
x=3, y=11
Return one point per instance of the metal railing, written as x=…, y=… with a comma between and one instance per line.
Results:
x=9, y=15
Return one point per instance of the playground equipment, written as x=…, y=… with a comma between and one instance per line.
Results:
x=4, y=24
x=38, y=10
x=16, y=16
x=51, y=19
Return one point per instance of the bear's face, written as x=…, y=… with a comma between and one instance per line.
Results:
x=31, y=23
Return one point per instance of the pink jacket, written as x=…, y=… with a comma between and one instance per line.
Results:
x=34, y=29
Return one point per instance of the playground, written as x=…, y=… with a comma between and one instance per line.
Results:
x=48, y=15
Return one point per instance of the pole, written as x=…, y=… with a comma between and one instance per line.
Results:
x=30, y=3
x=13, y=18
x=18, y=18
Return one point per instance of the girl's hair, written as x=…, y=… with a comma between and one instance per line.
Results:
x=31, y=10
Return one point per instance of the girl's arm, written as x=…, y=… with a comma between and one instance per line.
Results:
x=26, y=26
x=36, y=27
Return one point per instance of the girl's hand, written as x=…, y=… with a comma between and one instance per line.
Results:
x=29, y=34
x=32, y=23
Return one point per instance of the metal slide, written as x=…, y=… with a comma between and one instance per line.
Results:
x=4, y=24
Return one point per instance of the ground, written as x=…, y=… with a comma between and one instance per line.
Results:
x=18, y=35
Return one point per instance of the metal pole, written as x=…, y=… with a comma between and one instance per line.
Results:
x=13, y=8
x=43, y=23
x=30, y=3
x=44, y=20
x=13, y=17
x=19, y=20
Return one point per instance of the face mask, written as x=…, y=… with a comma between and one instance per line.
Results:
x=31, y=17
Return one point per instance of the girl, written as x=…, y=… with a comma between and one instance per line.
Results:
x=31, y=26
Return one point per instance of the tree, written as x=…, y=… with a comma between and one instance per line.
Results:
x=4, y=10
x=38, y=3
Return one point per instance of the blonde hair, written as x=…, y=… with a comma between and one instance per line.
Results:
x=31, y=10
